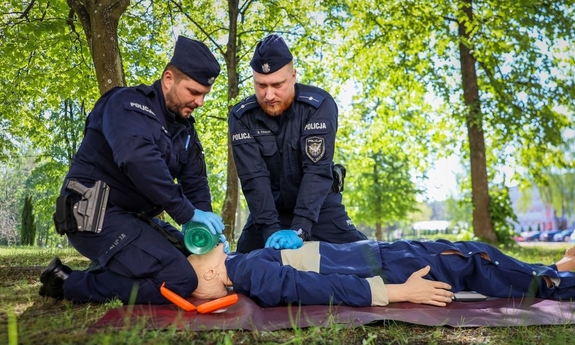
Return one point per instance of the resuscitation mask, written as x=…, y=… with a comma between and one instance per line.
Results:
x=198, y=238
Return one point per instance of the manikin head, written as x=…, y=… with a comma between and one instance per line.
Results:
x=212, y=273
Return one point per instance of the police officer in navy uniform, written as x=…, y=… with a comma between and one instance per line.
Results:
x=139, y=145
x=283, y=140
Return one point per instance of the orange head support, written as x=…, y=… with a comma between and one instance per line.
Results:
x=176, y=299
x=217, y=304
x=204, y=308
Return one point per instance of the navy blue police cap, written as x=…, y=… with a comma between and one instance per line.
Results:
x=195, y=60
x=272, y=53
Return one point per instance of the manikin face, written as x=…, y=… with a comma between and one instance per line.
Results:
x=212, y=274
x=183, y=96
x=275, y=92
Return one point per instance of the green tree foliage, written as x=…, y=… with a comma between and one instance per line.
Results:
x=9, y=204
x=99, y=19
x=53, y=83
x=458, y=210
x=386, y=189
x=407, y=55
x=394, y=67
x=28, y=225
x=501, y=211
x=14, y=190
x=42, y=63
x=556, y=184
x=144, y=37
x=558, y=189
x=64, y=132
x=46, y=67
x=422, y=212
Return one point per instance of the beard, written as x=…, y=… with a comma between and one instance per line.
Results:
x=277, y=108
x=176, y=106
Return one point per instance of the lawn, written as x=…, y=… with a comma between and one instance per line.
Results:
x=27, y=318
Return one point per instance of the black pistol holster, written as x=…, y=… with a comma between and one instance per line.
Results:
x=83, y=209
x=338, y=178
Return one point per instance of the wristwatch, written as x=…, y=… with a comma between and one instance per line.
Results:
x=301, y=234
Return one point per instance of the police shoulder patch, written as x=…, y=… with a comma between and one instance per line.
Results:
x=315, y=148
x=317, y=126
x=245, y=105
x=311, y=98
x=139, y=107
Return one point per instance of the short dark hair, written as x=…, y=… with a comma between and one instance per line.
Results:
x=178, y=75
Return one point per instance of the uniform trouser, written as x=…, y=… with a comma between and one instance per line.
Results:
x=135, y=259
x=502, y=277
x=333, y=225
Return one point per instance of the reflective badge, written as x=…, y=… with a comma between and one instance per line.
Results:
x=315, y=148
x=265, y=68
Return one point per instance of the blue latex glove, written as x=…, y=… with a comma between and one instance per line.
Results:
x=210, y=219
x=284, y=239
x=226, y=243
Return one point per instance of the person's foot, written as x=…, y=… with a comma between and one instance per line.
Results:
x=52, y=279
x=567, y=262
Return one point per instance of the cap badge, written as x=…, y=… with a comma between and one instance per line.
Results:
x=265, y=68
x=211, y=80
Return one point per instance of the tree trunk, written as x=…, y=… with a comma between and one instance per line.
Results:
x=100, y=20
x=28, y=229
x=378, y=200
x=378, y=231
x=482, y=224
x=232, y=192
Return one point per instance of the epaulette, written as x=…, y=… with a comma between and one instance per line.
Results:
x=246, y=104
x=145, y=89
x=310, y=98
x=137, y=103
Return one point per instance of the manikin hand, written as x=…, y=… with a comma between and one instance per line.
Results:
x=422, y=291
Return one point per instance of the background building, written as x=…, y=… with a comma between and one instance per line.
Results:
x=533, y=213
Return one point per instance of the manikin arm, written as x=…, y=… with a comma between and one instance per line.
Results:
x=419, y=290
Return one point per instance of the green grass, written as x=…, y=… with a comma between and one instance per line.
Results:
x=27, y=318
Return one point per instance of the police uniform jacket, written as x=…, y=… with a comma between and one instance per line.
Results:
x=285, y=162
x=139, y=148
x=355, y=273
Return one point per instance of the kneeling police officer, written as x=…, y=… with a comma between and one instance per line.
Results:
x=137, y=142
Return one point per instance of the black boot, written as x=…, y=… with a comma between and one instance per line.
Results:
x=53, y=278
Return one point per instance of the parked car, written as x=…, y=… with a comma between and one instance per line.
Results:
x=547, y=236
x=530, y=236
x=563, y=236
